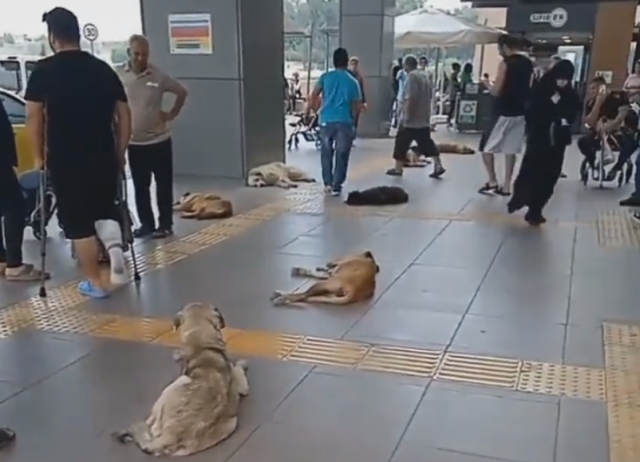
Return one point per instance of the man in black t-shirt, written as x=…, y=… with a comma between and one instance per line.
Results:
x=85, y=151
x=606, y=113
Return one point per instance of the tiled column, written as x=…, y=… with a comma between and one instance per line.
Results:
x=234, y=116
x=366, y=31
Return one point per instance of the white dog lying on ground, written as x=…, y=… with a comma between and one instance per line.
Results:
x=200, y=408
x=277, y=174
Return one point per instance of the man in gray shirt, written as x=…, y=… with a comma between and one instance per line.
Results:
x=150, y=149
x=415, y=121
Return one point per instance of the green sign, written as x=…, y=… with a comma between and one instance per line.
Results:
x=467, y=112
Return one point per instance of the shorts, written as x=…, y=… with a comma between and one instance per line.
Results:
x=505, y=136
x=84, y=197
x=422, y=136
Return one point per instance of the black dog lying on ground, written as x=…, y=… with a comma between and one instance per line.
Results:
x=380, y=195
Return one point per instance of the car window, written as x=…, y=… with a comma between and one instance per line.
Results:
x=10, y=78
x=15, y=108
x=29, y=66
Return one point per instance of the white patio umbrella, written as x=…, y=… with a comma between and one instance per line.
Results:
x=427, y=27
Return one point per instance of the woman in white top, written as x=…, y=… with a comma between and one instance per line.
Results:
x=632, y=84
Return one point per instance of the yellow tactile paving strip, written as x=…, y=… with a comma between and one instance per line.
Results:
x=622, y=372
x=506, y=373
x=320, y=207
x=616, y=230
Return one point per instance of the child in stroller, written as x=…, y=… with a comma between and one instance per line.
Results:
x=307, y=127
x=35, y=213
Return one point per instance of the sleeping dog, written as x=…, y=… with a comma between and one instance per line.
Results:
x=380, y=195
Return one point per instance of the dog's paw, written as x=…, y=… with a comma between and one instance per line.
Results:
x=297, y=271
x=122, y=437
x=276, y=294
x=279, y=301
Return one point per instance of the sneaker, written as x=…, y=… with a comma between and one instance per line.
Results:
x=162, y=233
x=394, y=172
x=327, y=189
x=631, y=201
x=142, y=231
x=336, y=192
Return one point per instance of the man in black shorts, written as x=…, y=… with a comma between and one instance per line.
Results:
x=415, y=120
x=87, y=129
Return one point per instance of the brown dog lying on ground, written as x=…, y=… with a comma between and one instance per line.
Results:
x=200, y=408
x=348, y=280
x=452, y=148
x=200, y=206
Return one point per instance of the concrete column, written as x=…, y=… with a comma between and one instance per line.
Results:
x=366, y=31
x=611, y=38
x=233, y=119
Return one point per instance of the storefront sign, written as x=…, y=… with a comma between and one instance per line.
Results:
x=551, y=18
x=556, y=18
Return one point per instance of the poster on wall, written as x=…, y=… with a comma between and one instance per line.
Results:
x=606, y=75
x=190, y=34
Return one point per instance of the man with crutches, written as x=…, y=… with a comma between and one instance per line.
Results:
x=85, y=151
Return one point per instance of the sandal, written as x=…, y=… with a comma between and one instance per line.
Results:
x=26, y=273
x=503, y=192
x=7, y=436
x=87, y=289
x=394, y=172
x=488, y=188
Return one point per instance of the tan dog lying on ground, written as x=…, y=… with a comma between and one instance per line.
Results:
x=452, y=148
x=200, y=408
x=277, y=174
x=348, y=280
x=199, y=206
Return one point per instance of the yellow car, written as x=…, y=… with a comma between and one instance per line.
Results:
x=17, y=109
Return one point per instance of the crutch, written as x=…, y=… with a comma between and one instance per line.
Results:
x=127, y=225
x=42, y=186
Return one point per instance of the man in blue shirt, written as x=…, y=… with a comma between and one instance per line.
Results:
x=341, y=101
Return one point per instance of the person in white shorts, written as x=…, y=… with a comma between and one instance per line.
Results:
x=507, y=132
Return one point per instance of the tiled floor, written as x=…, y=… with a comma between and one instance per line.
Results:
x=458, y=358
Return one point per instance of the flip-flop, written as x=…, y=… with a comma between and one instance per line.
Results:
x=87, y=289
x=27, y=273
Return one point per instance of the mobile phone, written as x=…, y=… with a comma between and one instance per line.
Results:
x=602, y=89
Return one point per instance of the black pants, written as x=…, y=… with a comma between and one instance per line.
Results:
x=12, y=219
x=539, y=172
x=147, y=161
x=422, y=136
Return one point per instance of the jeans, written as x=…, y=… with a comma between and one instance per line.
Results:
x=12, y=220
x=145, y=161
x=336, y=139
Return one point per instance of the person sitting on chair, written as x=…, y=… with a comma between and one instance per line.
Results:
x=606, y=112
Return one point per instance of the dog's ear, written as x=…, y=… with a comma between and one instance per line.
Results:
x=218, y=318
x=368, y=254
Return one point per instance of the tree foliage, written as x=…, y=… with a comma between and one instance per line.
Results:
x=321, y=18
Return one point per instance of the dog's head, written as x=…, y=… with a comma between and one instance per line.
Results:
x=368, y=255
x=354, y=198
x=196, y=313
x=256, y=180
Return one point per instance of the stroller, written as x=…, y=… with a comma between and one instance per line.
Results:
x=30, y=184
x=308, y=128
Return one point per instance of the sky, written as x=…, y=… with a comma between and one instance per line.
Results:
x=115, y=19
